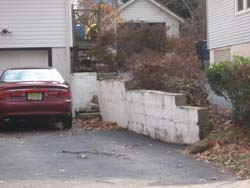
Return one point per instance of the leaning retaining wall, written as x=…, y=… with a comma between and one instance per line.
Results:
x=112, y=101
x=160, y=115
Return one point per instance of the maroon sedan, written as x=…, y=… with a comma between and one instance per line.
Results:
x=35, y=93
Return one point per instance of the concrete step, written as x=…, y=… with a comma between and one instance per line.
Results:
x=87, y=116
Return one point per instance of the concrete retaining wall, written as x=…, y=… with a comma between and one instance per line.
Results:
x=83, y=87
x=160, y=115
x=112, y=101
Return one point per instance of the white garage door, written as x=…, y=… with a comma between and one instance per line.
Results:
x=26, y=58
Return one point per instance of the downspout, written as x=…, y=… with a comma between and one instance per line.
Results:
x=68, y=38
x=207, y=23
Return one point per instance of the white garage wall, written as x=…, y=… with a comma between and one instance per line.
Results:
x=36, y=58
x=29, y=58
x=146, y=11
x=35, y=23
x=60, y=61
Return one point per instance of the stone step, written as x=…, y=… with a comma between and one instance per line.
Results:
x=87, y=116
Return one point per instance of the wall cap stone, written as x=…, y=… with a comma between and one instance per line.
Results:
x=193, y=108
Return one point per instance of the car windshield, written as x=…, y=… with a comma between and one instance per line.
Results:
x=31, y=75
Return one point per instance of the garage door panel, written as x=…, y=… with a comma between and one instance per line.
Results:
x=29, y=58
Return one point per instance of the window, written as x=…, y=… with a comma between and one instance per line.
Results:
x=222, y=55
x=242, y=6
x=29, y=75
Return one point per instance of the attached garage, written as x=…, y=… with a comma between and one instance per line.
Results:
x=24, y=58
x=35, y=33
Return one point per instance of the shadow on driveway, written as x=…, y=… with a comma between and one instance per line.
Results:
x=29, y=127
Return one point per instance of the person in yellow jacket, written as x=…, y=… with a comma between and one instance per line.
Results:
x=92, y=31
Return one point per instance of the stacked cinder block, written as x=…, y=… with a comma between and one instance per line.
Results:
x=160, y=115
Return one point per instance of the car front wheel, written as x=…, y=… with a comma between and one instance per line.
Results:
x=67, y=122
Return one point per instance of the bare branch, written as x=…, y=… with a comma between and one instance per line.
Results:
x=189, y=8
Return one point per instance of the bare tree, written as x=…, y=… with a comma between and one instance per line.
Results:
x=193, y=11
x=115, y=3
x=109, y=11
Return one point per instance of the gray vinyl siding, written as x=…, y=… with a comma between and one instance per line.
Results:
x=225, y=28
x=35, y=23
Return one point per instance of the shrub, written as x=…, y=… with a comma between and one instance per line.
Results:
x=104, y=52
x=135, y=37
x=129, y=39
x=157, y=61
x=177, y=73
x=231, y=79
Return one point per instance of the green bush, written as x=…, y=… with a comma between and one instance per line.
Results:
x=231, y=79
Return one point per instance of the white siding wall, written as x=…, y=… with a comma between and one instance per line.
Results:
x=144, y=10
x=224, y=27
x=59, y=61
x=35, y=23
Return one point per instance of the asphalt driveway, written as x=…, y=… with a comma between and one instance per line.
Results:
x=41, y=153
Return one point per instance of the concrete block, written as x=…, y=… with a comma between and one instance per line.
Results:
x=83, y=86
x=157, y=114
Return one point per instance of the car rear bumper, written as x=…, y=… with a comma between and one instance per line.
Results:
x=10, y=109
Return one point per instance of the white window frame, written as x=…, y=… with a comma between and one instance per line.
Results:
x=248, y=9
x=245, y=9
x=236, y=7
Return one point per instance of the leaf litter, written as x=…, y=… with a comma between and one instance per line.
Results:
x=229, y=144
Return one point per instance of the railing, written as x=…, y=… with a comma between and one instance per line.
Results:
x=86, y=25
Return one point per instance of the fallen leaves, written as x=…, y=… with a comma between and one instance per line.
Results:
x=96, y=124
x=229, y=157
x=229, y=145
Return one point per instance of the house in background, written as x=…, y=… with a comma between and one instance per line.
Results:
x=228, y=29
x=151, y=12
x=36, y=33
